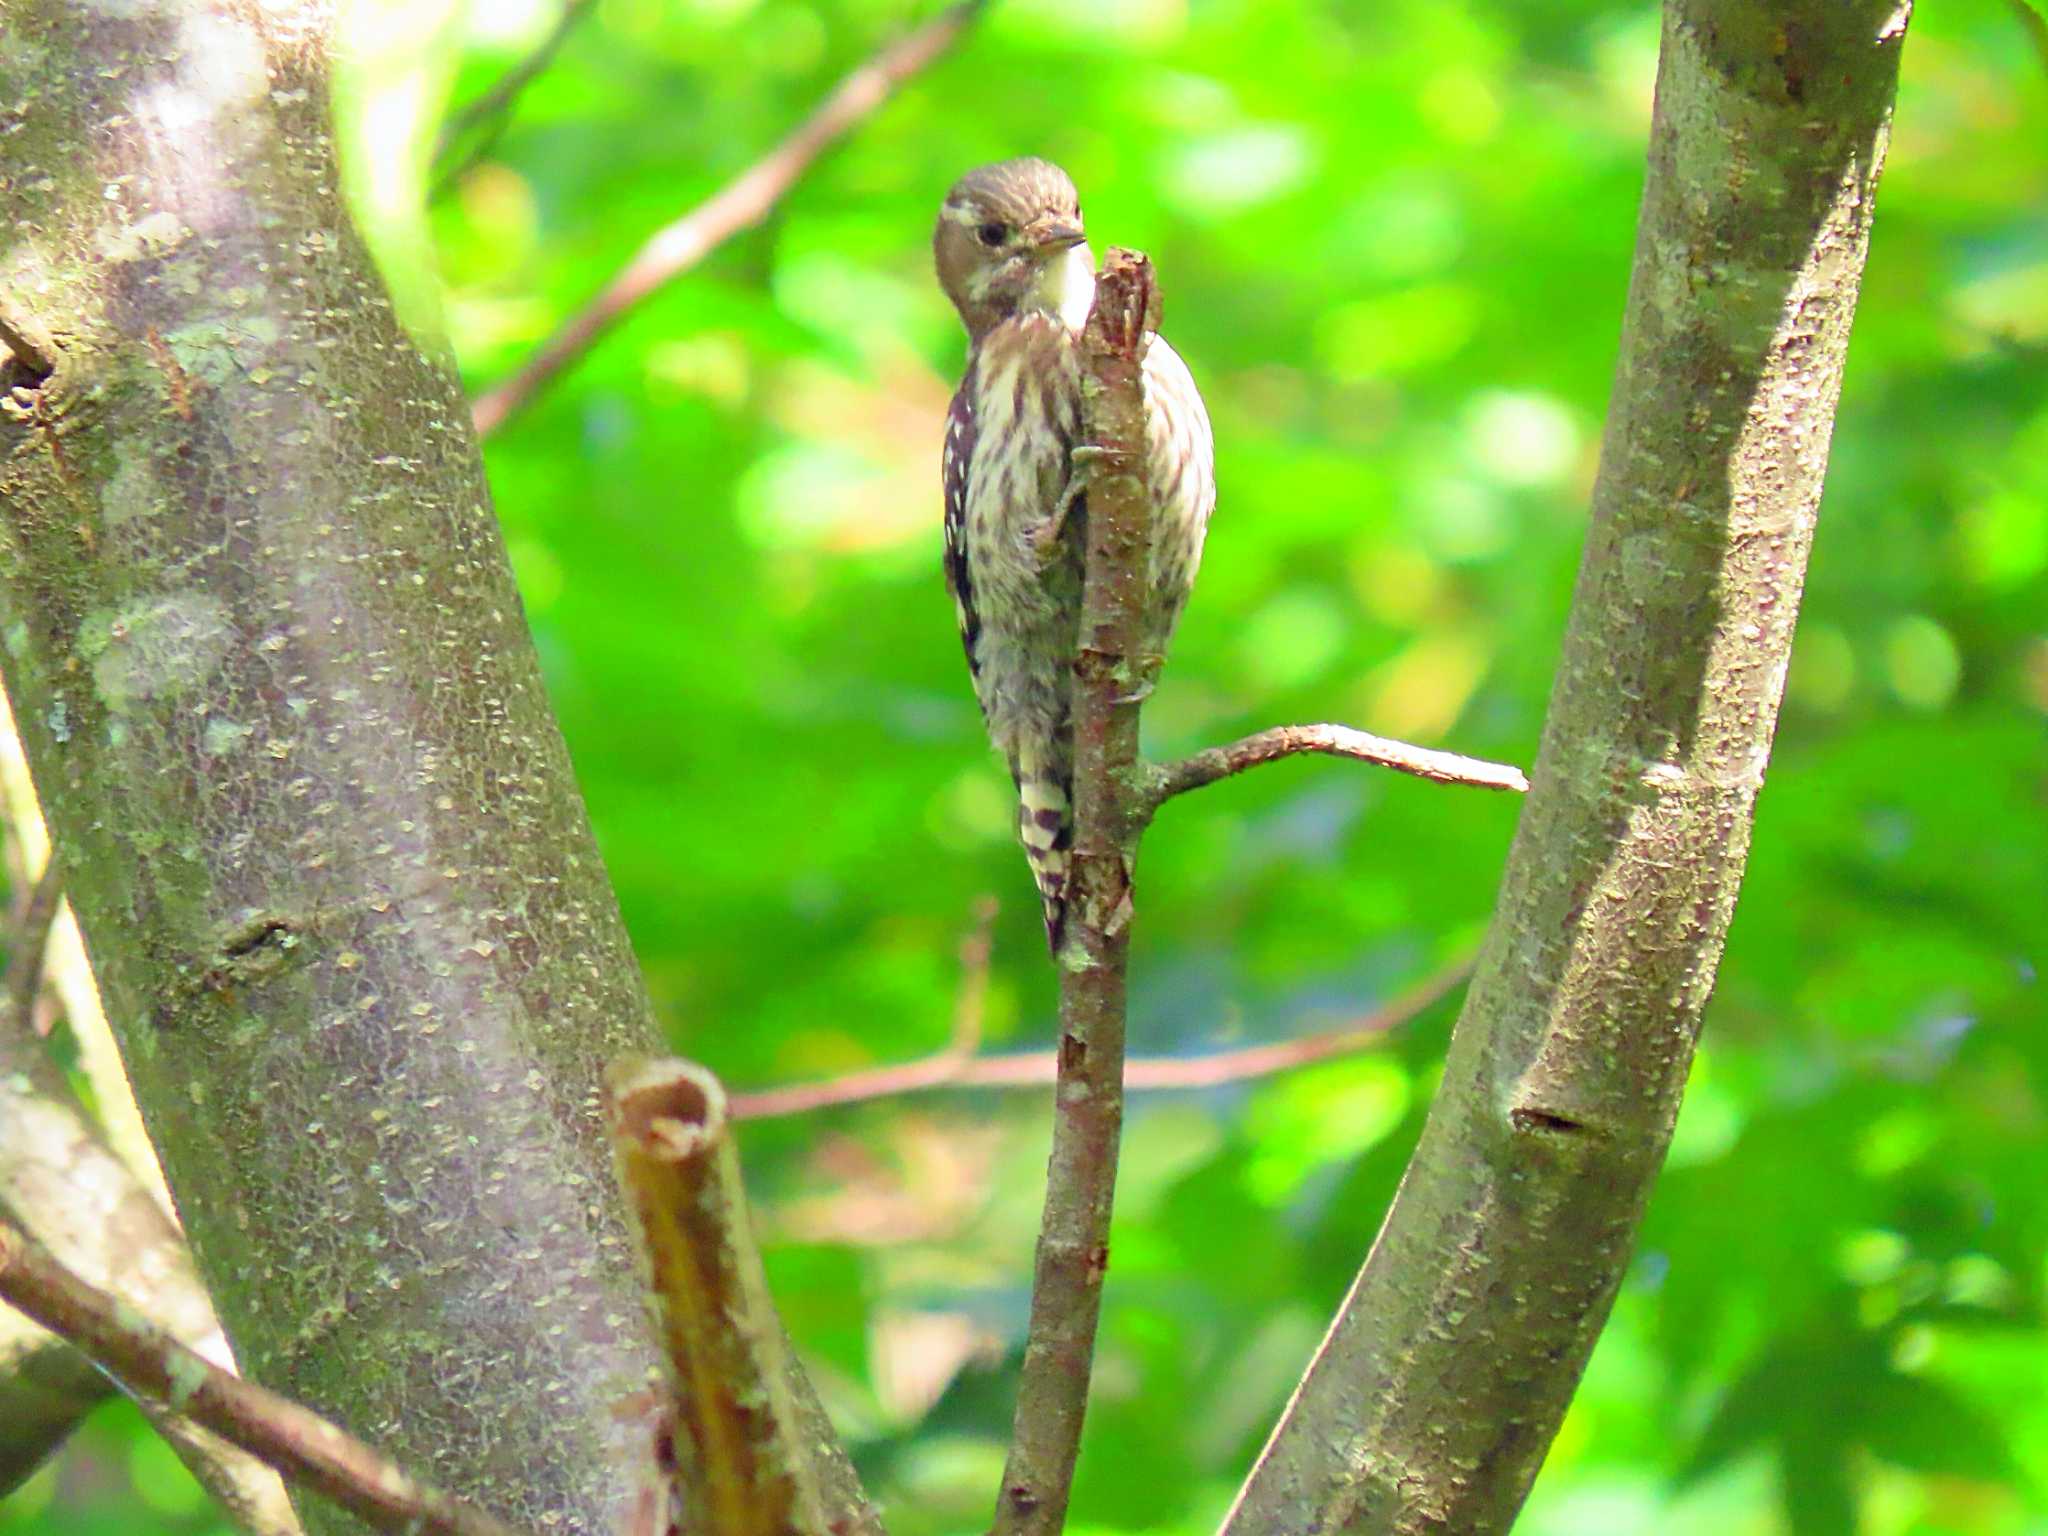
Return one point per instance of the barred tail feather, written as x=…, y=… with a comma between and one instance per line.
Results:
x=1045, y=825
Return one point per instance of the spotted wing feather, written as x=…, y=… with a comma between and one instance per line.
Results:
x=959, y=459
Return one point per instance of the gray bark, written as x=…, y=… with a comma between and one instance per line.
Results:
x=1432, y=1401
x=278, y=696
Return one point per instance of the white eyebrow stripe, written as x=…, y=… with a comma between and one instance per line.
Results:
x=960, y=213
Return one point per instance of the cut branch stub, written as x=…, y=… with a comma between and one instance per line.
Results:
x=740, y=1467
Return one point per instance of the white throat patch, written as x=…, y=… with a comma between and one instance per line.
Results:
x=1070, y=286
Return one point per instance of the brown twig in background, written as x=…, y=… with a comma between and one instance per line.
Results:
x=294, y=1440
x=937, y=1070
x=483, y=120
x=741, y=1468
x=739, y=205
x=1142, y=1074
x=1109, y=816
x=1203, y=768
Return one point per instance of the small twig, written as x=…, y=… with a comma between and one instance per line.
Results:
x=487, y=116
x=31, y=940
x=1203, y=768
x=731, y=1419
x=1142, y=1074
x=294, y=1440
x=739, y=205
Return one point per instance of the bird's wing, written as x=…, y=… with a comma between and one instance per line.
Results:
x=1180, y=473
x=959, y=459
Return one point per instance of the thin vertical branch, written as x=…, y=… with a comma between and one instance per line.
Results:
x=31, y=943
x=1109, y=812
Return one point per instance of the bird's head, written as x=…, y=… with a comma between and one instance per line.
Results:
x=1010, y=241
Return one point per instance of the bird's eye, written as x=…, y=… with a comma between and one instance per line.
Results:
x=991, y=234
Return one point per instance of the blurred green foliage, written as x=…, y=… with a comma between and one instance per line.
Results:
x=1393, y=240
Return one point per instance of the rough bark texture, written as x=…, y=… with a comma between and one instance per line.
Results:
x=279, y=699
x=1432, y=1401
x=67, y=975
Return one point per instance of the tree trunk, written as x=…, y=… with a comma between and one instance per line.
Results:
x=280, y=701
x=1440, y=1385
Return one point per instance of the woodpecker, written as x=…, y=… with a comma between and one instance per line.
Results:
x=1012, y=254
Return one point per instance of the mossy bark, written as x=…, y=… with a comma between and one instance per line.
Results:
x=279, y=698
x=1434, y=1397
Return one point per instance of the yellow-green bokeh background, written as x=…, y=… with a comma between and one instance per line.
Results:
x=1393, y=240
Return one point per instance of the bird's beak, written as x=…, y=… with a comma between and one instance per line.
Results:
x=1055, y=234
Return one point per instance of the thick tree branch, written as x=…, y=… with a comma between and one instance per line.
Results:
x=1073, y=1237
x=1142, y=1074
x=315, y=814
x=1269, y=746
x=738, y=206
x=472, y=132
x=1432, y=1400
x=742, y=1468
x=299, y=1443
